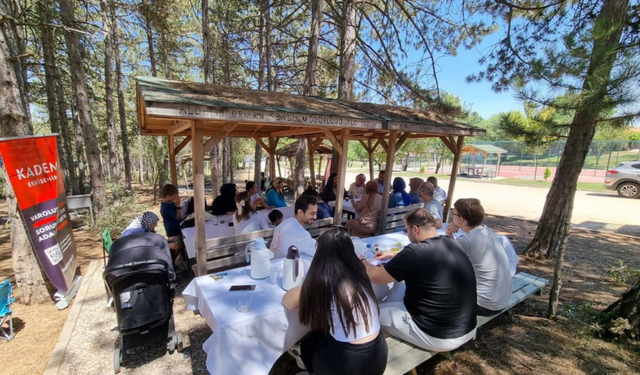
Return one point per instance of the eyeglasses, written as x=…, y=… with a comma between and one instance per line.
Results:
x=455, y=214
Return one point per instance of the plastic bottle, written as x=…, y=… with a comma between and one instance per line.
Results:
x=376, y=248
x=368, y=253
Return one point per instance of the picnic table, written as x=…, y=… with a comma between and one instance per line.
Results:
x=347, y=205
x=474, y=171
x=216, y=228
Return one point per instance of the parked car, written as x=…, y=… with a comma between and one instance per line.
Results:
x=625, y=178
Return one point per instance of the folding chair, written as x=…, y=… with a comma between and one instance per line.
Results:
x=5, y=312
x=106, y=245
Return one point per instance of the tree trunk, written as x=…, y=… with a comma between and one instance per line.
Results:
x=257, y=163
x=146, y=14
x=140, y=160
x=624, y=308
x=557, y=209
x=77, y=130
x=112, y=132
x=206, y=42
x=225, y=161
x=48, y=53
x=79, y=79
x=314, y=37
x=301, y=158
x=216, y=170
x=232, y=162
x=14, y=121
x=348, y=35
x=124, y=131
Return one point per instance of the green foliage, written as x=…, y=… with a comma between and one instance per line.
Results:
x=547, y=173
x=118, y=215
x=422, y=169
x=623, y=274
x=634, y=136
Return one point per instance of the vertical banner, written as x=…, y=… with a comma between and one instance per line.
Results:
x=34, y=171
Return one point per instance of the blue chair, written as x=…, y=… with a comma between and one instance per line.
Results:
x=5, y=312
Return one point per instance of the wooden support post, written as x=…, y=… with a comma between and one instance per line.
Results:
x=197, y=150
x=387, y=178
x=311, y=151
x=172, y=160
x=454, y=176
x=370, y=153
x=273, y=144
x=342, y=176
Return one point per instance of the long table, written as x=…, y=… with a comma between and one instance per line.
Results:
x=250, y=343
x=216, y=228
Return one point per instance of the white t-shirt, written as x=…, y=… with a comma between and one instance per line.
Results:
x=255, y=197
x=355, y=190
x=291, y=232
x=361, y=331
x=439, y=194
x=435, y=208
x=256, y=220
x=491, y=266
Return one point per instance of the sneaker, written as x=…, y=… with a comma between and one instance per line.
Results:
x=295, y=353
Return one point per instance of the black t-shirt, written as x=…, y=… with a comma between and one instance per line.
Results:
x=441, y=286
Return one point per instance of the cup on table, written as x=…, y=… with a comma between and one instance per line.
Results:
x=222, y=219
x=244, y=304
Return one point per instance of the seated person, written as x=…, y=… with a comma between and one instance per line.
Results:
x=324, y=210
x=369, y=208
x=435, y=307
x=486, y=253
x=225, y=203
x=146, y=222
x=414, y=185
x=356, y=189
x=329, y=191
x=275, y=217
x=399, y=197
x=438, y=193
x=275, y=196
x=246, y=219
x=256, y=198
x=291, y=231
x=341, y=310
x=380, y=181
x=171, y=217
x=430, y=204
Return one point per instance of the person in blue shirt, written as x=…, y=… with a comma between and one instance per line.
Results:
x=324, y=210
x=399, y=197
x=275, y=197
x=146, y=222
x=171, y=217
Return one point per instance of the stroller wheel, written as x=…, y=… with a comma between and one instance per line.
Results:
x=180, y=344
x=117, y=358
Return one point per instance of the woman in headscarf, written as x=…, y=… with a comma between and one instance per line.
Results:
x=399, y=197
x=369, y=209
x=146, y=222
x=414, y=185
x=275, y=196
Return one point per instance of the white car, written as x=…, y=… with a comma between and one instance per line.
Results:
x=625, y=178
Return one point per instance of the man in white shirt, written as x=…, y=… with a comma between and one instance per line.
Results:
x=430, y=203
x=380, y=181
x=356, y=189
x=486, y=253
x=254, y=192
x=438, y=193
x=291, y=231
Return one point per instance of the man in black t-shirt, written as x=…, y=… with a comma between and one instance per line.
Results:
x=435, y=307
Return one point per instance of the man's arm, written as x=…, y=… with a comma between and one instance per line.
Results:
x=378, y=275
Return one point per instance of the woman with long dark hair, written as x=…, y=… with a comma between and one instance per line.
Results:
x=336, y=301
x=246, y=219
x=369, y=209
x=329, y=190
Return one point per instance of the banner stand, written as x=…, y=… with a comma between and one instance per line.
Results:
x=62, y=301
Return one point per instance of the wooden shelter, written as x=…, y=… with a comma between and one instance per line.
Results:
x=204, y=114
x=485, y=151
x=291, y=150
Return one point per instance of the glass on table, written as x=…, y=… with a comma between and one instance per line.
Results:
x=244, y=304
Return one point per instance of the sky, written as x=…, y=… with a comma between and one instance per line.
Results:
x=479, y=96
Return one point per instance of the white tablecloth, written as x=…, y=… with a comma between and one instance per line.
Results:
x=244, y=343
x=346, y=206
x=213, y=229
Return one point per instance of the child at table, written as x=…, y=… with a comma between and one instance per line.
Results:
x=171, y=217
x=336, y=301
x=246, y=219
x=275, y=217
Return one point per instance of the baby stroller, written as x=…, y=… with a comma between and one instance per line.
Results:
x=140, y=277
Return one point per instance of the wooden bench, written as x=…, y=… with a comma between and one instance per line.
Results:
x=394, y=221
x=404, y=357
x=224, y=253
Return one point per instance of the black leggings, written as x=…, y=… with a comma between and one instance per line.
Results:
x=323, y=355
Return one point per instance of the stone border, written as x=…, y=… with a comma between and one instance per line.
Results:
x=55, y=360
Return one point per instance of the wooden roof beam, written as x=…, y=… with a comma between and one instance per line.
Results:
x=180, y=126
x=294, y=131
x=182, y=144
x=216, y=138
x=334, y=141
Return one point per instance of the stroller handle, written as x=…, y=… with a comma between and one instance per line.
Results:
x=140, y=263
